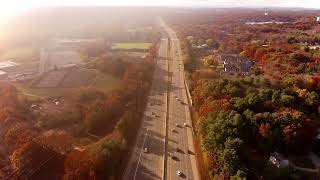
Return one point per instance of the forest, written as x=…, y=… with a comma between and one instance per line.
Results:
x=239, y=119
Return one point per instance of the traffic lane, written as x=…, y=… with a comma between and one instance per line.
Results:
x=154, y=156
x=154, y=119
x=152, y=161
x=185, y=108
x=177, y=116
x=182, y=145
x=177, y=80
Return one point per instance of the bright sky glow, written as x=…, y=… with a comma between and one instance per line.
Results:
x=9, y=7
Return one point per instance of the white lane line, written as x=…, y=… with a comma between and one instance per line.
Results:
x=144, y=141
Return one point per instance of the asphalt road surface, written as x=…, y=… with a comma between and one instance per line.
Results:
x=149, y=165
x=164, y=144
x=180, y=151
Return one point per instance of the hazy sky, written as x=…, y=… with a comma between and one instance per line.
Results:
x=14, y=6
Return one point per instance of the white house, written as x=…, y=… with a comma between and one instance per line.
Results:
x=318, y=19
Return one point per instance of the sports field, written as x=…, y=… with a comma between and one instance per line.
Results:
x=131, y=46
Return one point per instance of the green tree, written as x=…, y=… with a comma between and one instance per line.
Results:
x=312, y=99
x=286, y=100
x=209, y=42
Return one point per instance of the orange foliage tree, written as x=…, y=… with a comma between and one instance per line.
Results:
x=79, y=165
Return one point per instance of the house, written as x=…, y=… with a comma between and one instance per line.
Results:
x=318, y=19
x=278, y=160
x=234, y=63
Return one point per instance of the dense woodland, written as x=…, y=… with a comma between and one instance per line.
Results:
x=240, y=120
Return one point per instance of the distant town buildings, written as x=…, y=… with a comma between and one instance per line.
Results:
x=318, y=19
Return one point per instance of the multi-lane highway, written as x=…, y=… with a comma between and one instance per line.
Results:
x=147, y=159
x=180, y=151
x=164, y=144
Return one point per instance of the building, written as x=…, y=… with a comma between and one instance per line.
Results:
x=234, y=63
x=318, y=19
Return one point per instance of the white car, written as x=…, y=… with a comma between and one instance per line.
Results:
x=185, y=124
x=177, y=125
x=179, y=173
x=145, y=150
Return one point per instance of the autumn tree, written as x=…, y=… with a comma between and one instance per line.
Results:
x=79, y=165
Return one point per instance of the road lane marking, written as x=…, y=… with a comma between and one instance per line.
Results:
x=144, y=141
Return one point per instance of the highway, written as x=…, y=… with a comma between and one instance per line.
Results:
x=150, y=164
x=180, y=151
x=166, y=129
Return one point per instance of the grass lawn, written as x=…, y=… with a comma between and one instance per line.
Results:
x=101, y=81
x=128, y=46
x=38, y=93
x=105, y=82
x=17, y=53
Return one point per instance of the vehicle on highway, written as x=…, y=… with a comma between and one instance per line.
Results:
x=145, y=150
x=177, y=125
x=179, y=173
x=185, y=124
x=174, y=157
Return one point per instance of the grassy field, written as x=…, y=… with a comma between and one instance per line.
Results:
x=130, y=46
x=17, y=53
x=102, y=82
x=105, y=82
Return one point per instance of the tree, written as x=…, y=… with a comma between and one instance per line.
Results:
x=18, y=135
x=30, y=155
x=108, y=155
x=79, y=165
x=312, y=99
x=210, y=61
x=201, y=41
x=264, y=130
x=209, y=42
x=241, y=175
x=286, y=100
x=220, y=132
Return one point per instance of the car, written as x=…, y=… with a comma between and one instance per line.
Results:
x=177, y=125
x=185, y=124
x=177, y=98
x=179, y=173
x=145, y=150
x=173, y=130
